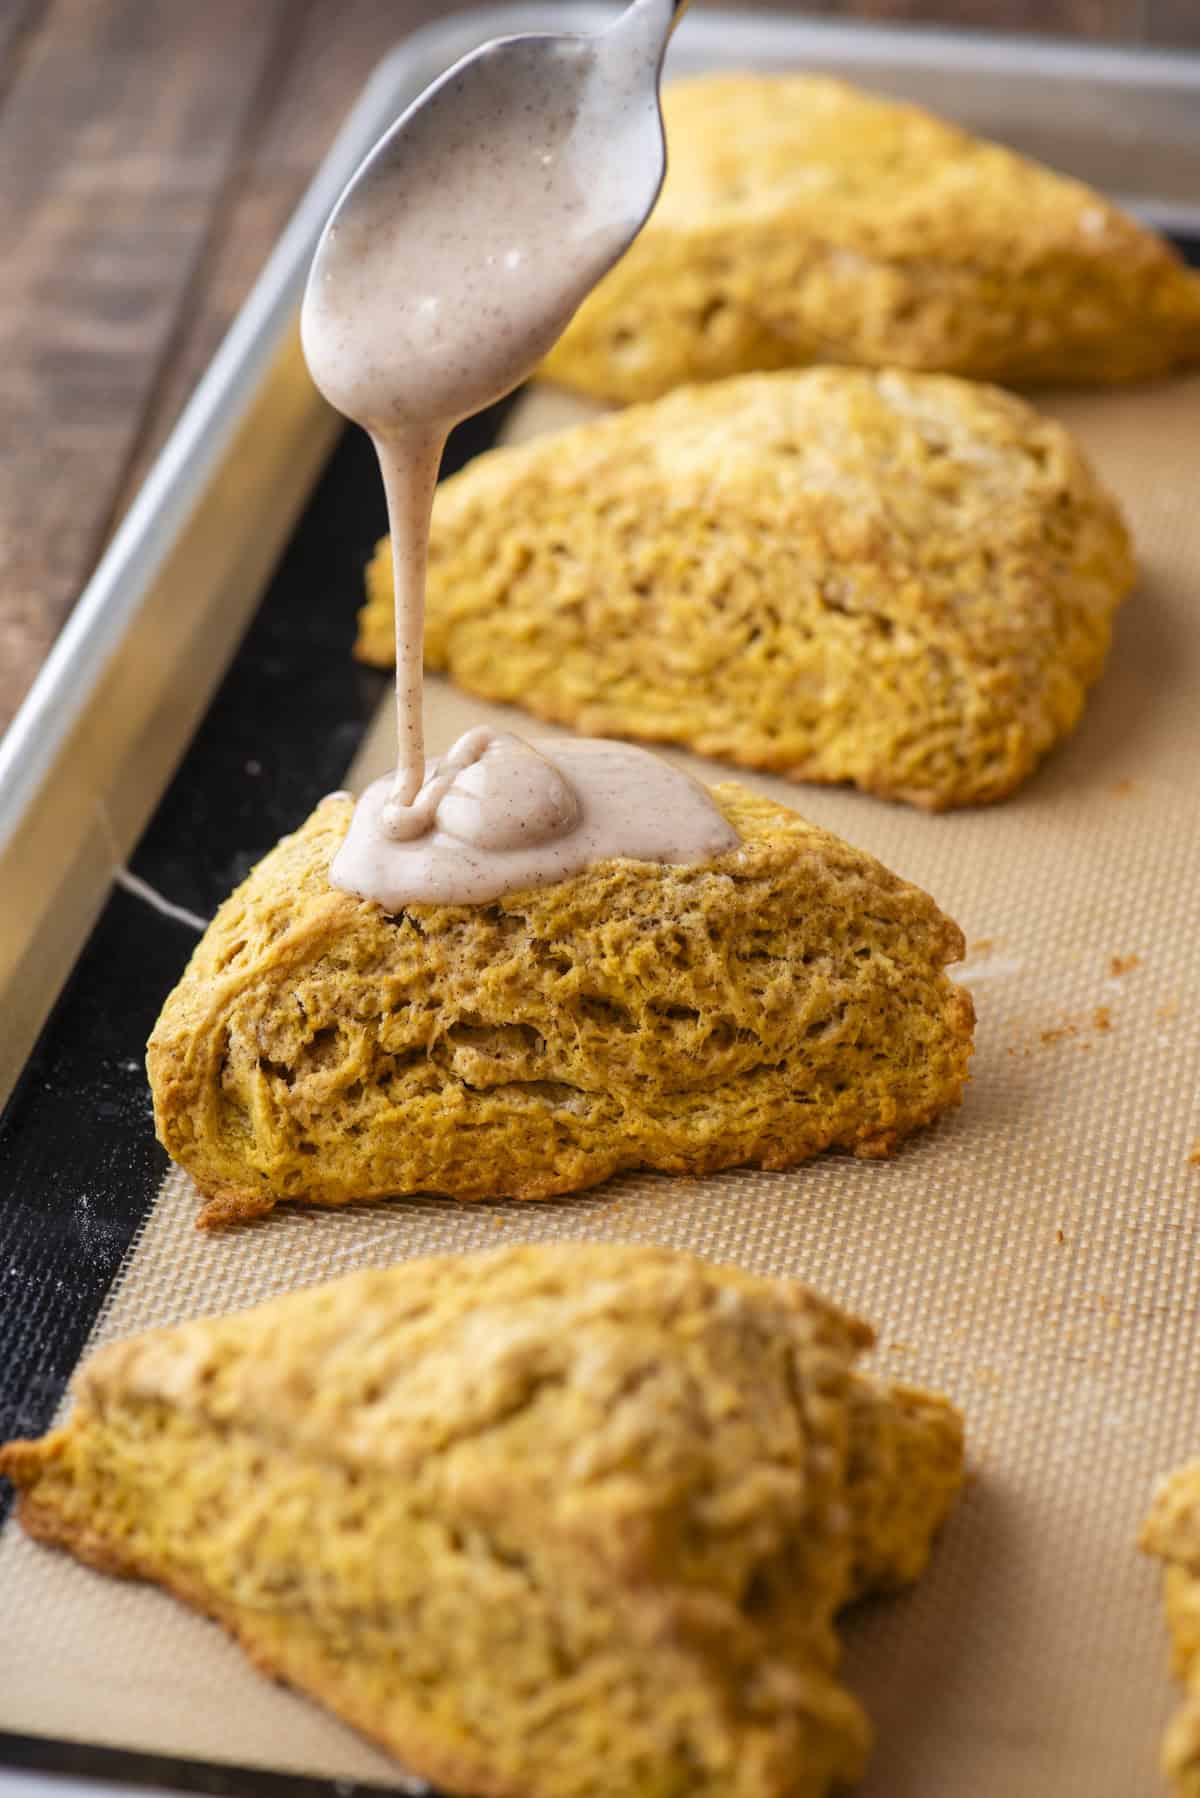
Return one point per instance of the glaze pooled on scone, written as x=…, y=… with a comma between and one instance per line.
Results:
x=450, y=289
x=496, y=814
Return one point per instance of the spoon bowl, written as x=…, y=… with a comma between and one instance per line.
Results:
x=509, y=188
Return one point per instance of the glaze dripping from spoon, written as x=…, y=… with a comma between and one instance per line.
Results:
x=453, y=261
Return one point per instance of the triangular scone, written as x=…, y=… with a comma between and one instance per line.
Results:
x=559, y=1521
x=903, y=581
x=803, y=220
x=786, y=998
x=1172, y=1532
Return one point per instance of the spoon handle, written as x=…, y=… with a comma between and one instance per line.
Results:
x=636, y=7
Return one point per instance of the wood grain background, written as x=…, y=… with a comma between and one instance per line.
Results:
x=150, y=152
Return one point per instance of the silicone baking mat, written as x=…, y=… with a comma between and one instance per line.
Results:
x=1035, y=1256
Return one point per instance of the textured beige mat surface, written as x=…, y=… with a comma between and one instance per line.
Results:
x=1036, y=1257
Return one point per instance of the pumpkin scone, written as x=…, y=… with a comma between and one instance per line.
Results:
x=788, y=997
x=558, y=1521
x=1172, y=1532
x=804, y=220
x=906, y=582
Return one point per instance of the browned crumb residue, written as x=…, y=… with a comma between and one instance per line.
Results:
x=1123, y=964
x=1194, y=1157
x=984, y=946
x=1167, y=1010
x=1121, y=788
x=1059, y=1032
x=1101, y=1021
x=1060, y=1236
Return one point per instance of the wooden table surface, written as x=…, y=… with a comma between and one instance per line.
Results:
x=151, y=151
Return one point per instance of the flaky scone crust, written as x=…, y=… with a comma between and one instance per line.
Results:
x=905, y=582
x=553, y=1522
x=1172, y=1532
x=786, y=998
x=804, y=220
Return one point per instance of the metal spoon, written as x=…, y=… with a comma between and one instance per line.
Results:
x=513, y=114
x=456, y=257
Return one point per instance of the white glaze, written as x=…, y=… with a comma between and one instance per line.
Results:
x=506, y=814
x=514, y=186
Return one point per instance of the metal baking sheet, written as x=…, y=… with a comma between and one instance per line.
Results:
x=159, y=635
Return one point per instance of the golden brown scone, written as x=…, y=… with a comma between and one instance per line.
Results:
x=786, y=998
x=903, y=581
x=806, y=221
x=560, y=1521
x=1172, y=1532
x=904, y=1470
